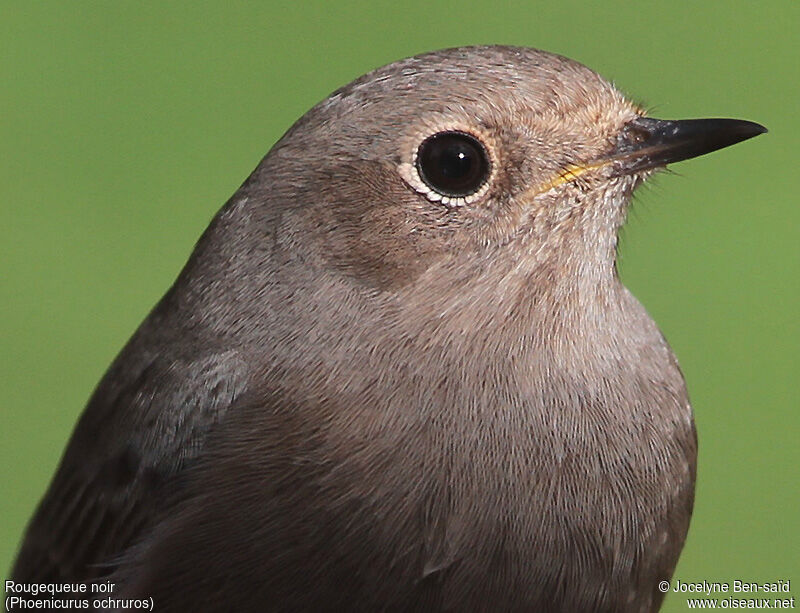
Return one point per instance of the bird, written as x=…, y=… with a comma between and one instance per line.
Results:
x=399, y=371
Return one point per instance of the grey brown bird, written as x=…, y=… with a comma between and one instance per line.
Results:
x=399, y=371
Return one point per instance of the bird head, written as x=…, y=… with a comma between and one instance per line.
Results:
x=461, y=155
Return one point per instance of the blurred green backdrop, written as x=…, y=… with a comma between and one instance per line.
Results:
x=126, y=125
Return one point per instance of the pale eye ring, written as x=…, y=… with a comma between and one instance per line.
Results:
x=453, y=164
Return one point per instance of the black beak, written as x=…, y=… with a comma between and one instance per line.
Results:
x=647, y=143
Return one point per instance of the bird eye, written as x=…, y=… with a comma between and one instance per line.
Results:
x=453, y=164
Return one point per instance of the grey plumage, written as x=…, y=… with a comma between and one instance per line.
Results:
x=361, y=395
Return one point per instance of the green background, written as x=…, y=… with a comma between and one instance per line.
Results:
x=125, y=126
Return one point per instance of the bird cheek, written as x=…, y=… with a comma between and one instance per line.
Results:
x=370, y=228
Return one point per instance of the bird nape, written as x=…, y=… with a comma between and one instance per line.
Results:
x=399, y=371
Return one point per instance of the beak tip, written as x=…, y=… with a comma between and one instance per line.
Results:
x=751, y=129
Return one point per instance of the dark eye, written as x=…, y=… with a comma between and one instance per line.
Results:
x=453, y=163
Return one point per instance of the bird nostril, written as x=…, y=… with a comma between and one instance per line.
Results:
x=636, y=136
x=633, y=135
